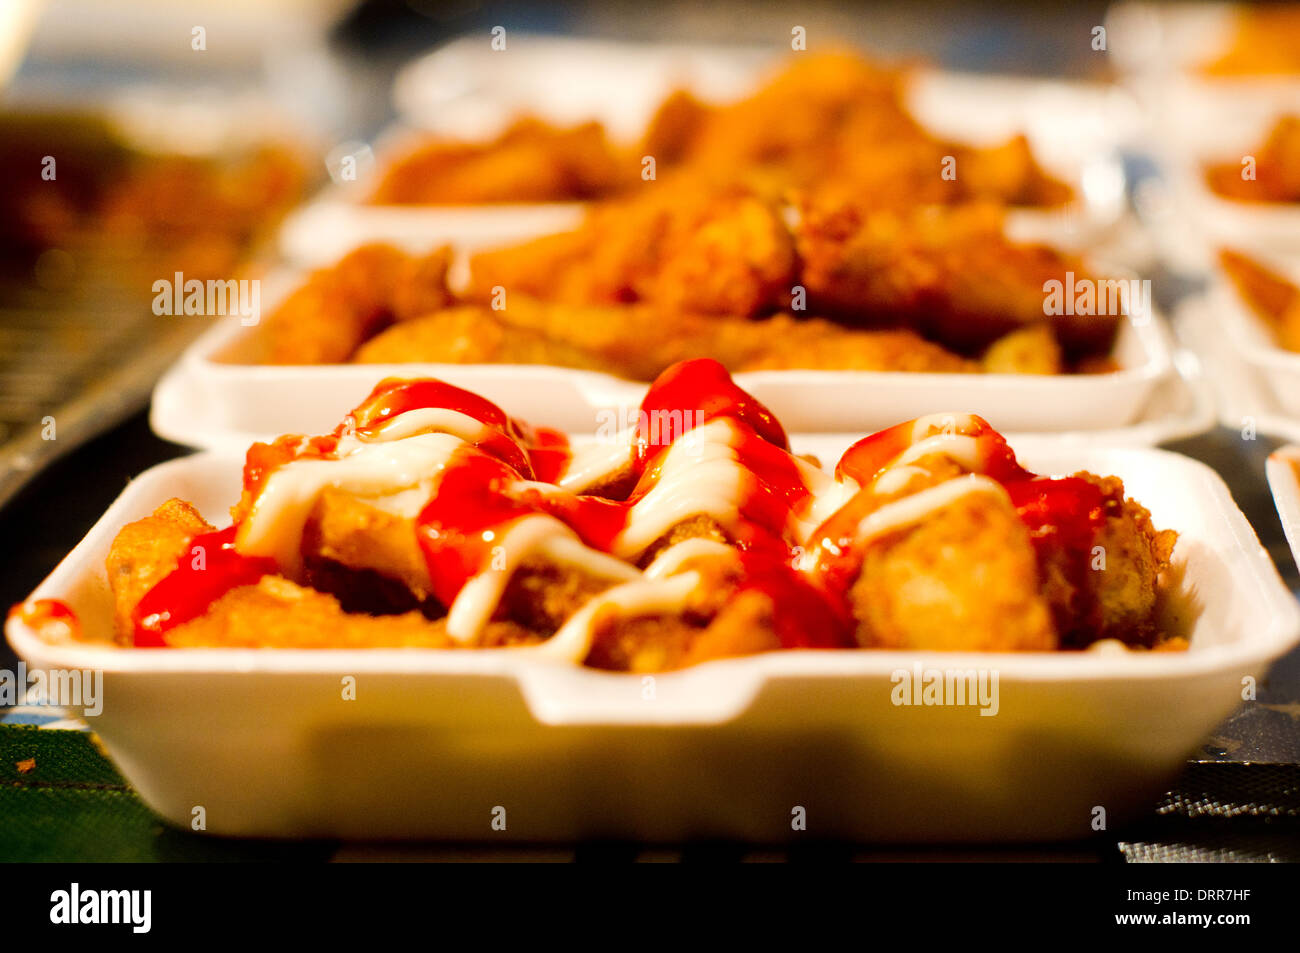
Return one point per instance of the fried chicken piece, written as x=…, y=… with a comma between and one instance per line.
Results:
x=662, y=643
x=1276, y=168
x=542, y=595
x=1115, y=596
x=1273, y=297
x=1031, y=350
x=471, y=334
x=531, y=161
x=146, y=551
x=675, y=246
x=360, y=534
x=337, y=308
x=965, y=579
x=280, y=614
x=784, y=343
x=950, y=274
x=638, y=342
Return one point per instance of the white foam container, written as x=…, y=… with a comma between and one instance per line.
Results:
x=1254, y=341
x=1215, y=326
x=466, y=91
x=215, y=396
x=434, y=741
x=1283, y=472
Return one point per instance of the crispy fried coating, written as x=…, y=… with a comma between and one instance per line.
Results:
x=358, y=534
x=531, y=161
x=1031, y=350
x=683, y=248
x=541, y=595
x=471, y=334
x=950, y=274
x=1272, y=296
x=964, y=580
x=637, y=342
x=844, y=126
x=277, y=613
x=662, y=643
x=1116, y=596
x=337, y=308
x=1276, y=170
x=144, y=552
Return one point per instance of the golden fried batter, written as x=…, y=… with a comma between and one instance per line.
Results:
x=144, y=552
x=279, y=614
x=530, y=162
x=966, y=579
x=327, y=317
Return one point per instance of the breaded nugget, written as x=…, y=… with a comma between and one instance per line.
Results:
x=531, y=161
x=337, y=308
x=277, y=613
x=471, y=334
x=1031, y=350
x=950, y=274
x=146, y=551
x=965, y=579
x=1115, y=596
x=703, y=250
x=358, y=534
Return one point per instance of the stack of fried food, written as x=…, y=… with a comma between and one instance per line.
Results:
x=812, y=225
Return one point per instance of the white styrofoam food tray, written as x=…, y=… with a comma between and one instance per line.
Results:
x=1283, y=471
x=436, y=742
x=1244, y=399
x=215, y=396
x=467, y=91
x=1254, y=341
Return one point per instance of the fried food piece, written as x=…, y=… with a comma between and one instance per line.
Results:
x=144, y=552
x=1276, y=168
x=784, y=343
x=1266, y=41
x=681, y=248
x=542, y=595
x=325, y=319
x=361, y=535
x=471, y=334
x=1031, y=350
x=1273, y=297
x=662, y=643
x=831, y=105
x=637, y=342
x=1115, y=598
x=531, y=161
x=278, y=613
x=964, y=580
x=950, y=274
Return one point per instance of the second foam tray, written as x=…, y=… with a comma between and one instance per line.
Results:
x=214, y=396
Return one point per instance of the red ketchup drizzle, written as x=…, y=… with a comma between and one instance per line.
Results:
x=691, y=393
x=393, y=396
x=803, y=616
x=549, y=454
x=1063, y=516
x=865, y=460
x=478, y=494
x=186, y=592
